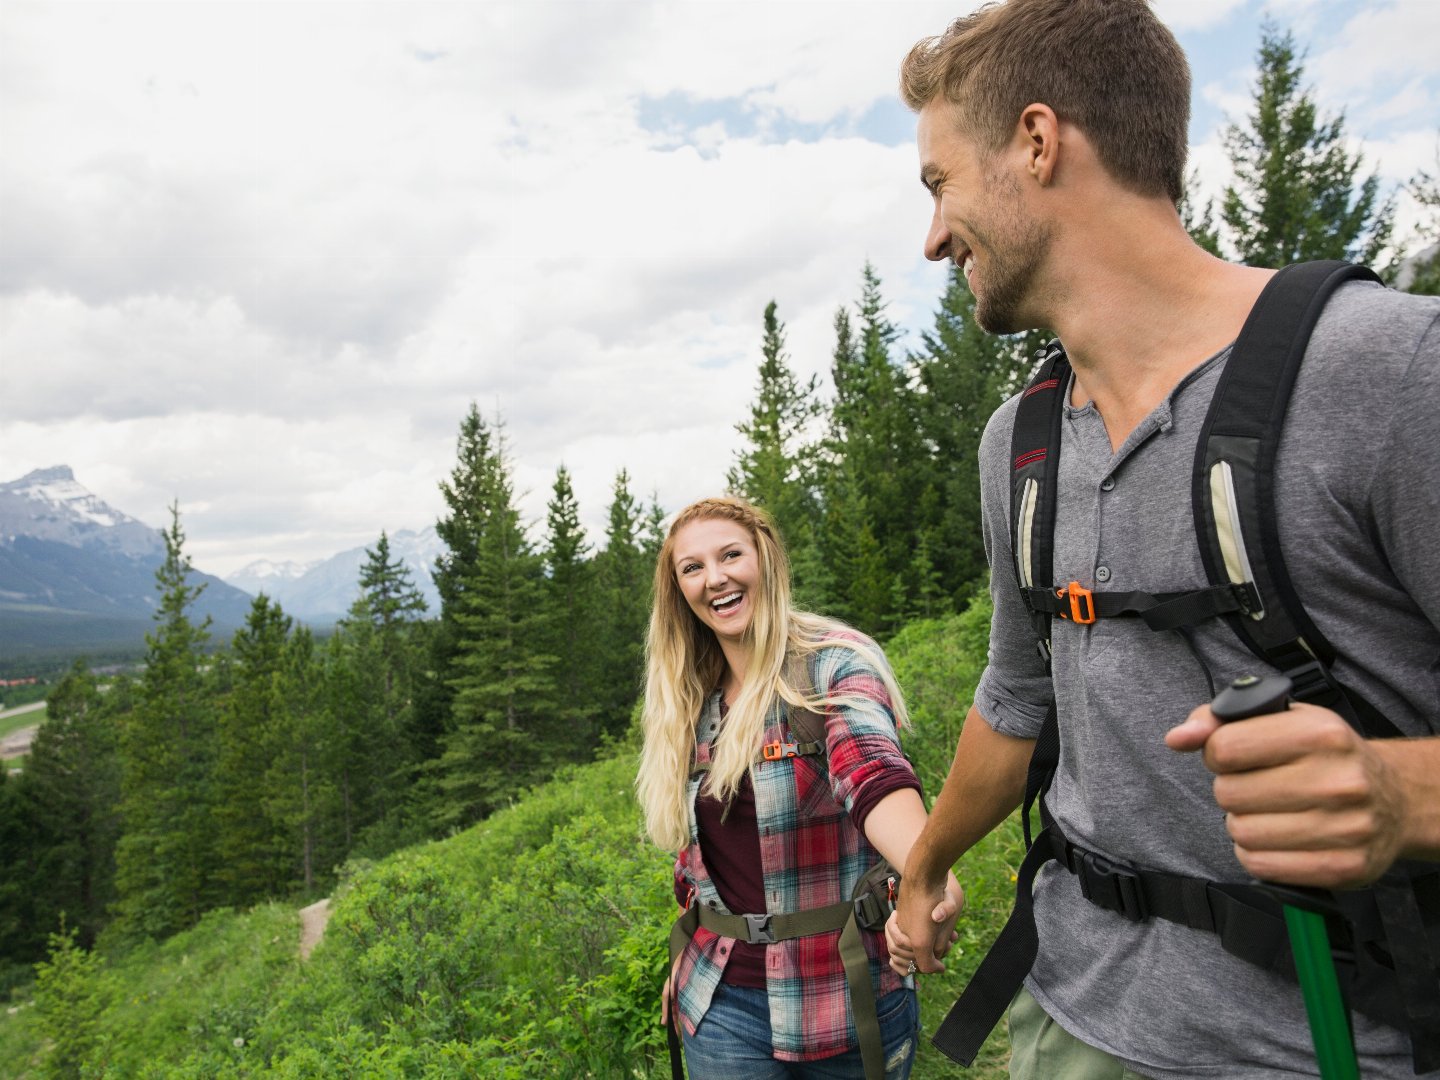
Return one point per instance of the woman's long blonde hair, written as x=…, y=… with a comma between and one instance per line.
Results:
x=684, y=664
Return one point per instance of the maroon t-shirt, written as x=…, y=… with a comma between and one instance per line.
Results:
x=731, y=850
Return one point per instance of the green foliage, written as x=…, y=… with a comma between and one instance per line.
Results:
x=165, y=861
x=72, y=787
x=69, y=999
x=530, y=946
x=1296, y=195
x=776, y=466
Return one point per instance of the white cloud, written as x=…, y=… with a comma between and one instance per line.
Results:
x=260, y=256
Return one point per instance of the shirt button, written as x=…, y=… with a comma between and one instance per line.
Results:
x=1102, y=573
x=1108, y=484
x=723, y=950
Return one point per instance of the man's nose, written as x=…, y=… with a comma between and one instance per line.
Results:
x=937, y=240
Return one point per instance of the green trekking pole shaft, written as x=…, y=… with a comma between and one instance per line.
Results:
x=1309, y=940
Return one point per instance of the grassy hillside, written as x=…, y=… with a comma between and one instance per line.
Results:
x=529, y=946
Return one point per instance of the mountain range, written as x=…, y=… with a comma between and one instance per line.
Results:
x=323, y=591
x=77, y=574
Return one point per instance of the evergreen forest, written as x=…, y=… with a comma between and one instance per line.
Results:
x=457, y=782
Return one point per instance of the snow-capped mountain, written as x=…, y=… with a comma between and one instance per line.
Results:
x=324, y=591
x=75, y=571
x=49, y=504
x=268, y=577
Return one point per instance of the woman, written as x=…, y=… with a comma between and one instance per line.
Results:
x=771, y=763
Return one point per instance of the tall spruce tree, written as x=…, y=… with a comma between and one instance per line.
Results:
x=622, y=597
x=776, y=466
x=875, y=469
x=460, y=528
x=71, y=784
x=392, y=607
x=1296, y=195
x=501, y=671
x=964, y=374
x=252, y=719
x=569, y=607
x=305, y=771
x=165, y=861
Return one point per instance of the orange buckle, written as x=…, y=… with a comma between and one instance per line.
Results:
x=1082, y=603
x=776, y=750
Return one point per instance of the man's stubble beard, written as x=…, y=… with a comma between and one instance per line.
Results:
x=1015, y=248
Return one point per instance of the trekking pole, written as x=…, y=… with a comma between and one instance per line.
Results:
x=1250, y=696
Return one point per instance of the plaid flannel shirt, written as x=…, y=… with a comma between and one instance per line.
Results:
x=811, y=854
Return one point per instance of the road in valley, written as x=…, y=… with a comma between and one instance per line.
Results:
x=17, y=743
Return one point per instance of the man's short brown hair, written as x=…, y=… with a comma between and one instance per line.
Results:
x=1110, y=67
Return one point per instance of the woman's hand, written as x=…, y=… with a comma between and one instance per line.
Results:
x=944, y=915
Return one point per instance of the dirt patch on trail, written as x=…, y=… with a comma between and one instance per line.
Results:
x=312, y=926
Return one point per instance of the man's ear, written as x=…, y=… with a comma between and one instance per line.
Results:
x=1039, y=134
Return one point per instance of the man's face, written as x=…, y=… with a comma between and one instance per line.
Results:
x=980, y=222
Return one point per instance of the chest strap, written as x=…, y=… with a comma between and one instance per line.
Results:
x=1160, y=611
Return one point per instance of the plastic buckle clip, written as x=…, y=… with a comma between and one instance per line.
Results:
x=760, y=931
x=1082, y=603
x=1112, y=886
x=775, y=751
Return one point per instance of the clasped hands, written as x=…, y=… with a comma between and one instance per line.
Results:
x=930, y=915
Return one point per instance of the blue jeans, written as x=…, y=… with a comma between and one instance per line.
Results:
x=732, y=1041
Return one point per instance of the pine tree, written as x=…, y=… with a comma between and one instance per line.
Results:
x=72, y=785
x=569, y=606
x=390, y=608
x=500, y=671
x=1295, y=195
x=875, y=467
x=461, y=529
x=305, y=770
x=622, y=598
x=964, y=374
x=165, y=862
x=253, y=719
x=775, y=466
x=1199, y=222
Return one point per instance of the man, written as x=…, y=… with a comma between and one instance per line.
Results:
x=1052, y=138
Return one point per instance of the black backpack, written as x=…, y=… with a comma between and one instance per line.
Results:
x=1385, y=937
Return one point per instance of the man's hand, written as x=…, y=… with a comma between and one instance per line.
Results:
x=927, y=943
x=1307, y=801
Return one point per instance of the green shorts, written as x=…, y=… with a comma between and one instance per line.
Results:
x=1040, y=1049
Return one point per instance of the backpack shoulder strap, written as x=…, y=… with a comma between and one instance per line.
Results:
x=1233, y=492
x=1035, y=465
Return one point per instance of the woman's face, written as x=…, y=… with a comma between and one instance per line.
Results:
x=718, y=570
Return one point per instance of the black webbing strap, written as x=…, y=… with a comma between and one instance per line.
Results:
x=984, y=1001
x=1159, y=611
x=1247, y=920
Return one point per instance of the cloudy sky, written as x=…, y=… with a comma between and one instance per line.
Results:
x=259, y=256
